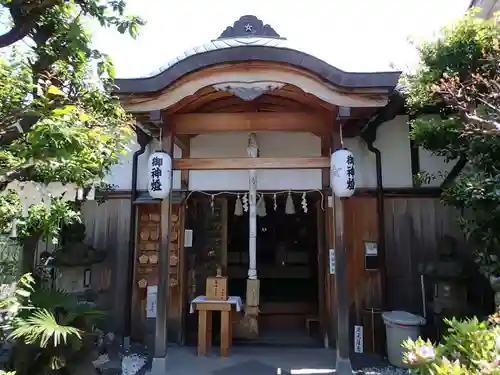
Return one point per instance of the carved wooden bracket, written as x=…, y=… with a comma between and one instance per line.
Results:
x=248, y=91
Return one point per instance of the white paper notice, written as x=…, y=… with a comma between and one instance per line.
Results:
x=332, y=261
x=358, y=339
x=151, y=301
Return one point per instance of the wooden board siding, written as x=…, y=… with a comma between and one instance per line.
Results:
x=365, y=289
x=361, y=225
x=107, y=228
x=414, y=227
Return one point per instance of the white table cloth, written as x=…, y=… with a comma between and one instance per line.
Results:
x=233, y=300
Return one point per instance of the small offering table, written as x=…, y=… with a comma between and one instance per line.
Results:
x=205, y=307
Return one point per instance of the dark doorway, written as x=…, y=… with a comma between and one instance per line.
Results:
x=287, y=267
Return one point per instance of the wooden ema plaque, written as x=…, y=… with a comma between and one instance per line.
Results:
x=217, y=287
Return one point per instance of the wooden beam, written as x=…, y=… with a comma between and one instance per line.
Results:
x=182, y=142
x=252, y=163
x=195, y=123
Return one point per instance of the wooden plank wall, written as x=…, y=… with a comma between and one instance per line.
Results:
x=365, y=290
x=364, y=286
x=107, y=228
x=414, y=227
x=413, y=230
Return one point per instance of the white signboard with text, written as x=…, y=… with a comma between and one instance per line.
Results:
x=358, y=339
x=151, y=301
x=332, y=261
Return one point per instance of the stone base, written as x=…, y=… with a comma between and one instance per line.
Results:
x=343, y=367
x=158, y=366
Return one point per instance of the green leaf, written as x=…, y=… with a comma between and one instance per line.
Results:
x=53, y=90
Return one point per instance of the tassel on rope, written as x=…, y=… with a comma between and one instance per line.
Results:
x=289, y=207
x=238, y=206
x=261, y=206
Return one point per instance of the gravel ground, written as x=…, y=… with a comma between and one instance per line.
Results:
x=133, y=363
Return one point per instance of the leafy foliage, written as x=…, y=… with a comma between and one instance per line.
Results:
x=50, y=327
x=459, y=73
x=471, y=347
x=59, y=120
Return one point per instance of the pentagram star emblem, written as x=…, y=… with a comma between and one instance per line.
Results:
x=248, y=28
x=336, y=171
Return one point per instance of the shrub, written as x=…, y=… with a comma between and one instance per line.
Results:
x=470, y=347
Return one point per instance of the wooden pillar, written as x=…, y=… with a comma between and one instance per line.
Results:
x=343, y=365
x=158, y=366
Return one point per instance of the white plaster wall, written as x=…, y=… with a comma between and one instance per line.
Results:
x=393, y=141
x=394, y=144
x=433, y=165
x=271, y=144
x=121, y=173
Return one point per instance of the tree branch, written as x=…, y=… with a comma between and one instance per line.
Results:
x=20, y=30
x=25, y=15
x=26, y=123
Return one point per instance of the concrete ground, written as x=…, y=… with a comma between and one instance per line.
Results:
x=245, y=360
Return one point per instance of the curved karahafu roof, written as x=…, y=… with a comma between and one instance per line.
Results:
x=249, y=39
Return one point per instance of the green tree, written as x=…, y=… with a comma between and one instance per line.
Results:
x=58, y=118
x=459, y=75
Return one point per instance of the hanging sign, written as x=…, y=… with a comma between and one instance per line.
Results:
x=160, y=175
x=371, y=248
x=358, y=339
x=151, y=301
x=342, y=173
x=332, y=261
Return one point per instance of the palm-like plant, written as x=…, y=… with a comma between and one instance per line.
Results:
x=50, y=328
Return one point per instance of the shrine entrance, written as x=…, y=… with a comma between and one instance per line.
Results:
x=246, y=114
x=287, y=263
x=287, y=267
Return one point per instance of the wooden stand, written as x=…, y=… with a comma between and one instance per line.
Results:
x=205, y=310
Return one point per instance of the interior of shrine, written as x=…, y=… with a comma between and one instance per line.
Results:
x=287, y=262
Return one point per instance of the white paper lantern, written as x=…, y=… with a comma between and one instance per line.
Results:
x=160, y=175
x=342, y=173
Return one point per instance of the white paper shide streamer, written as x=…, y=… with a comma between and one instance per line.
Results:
x=342, y=173
x=160, y=175
x=33, y=193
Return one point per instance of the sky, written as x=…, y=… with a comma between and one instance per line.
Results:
x=353, y=35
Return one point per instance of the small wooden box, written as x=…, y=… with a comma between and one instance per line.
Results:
x=217, y=288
